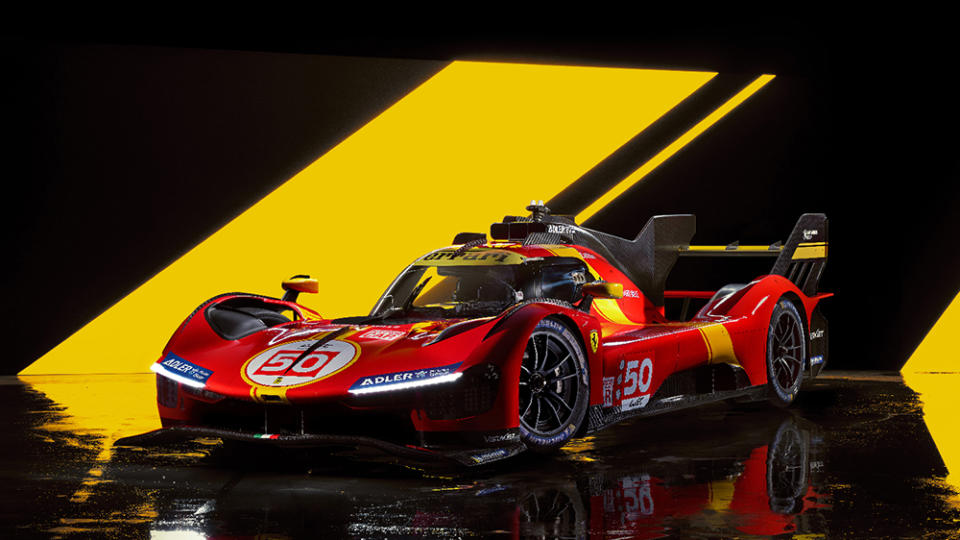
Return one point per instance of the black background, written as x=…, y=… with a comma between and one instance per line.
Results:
x=126, y=148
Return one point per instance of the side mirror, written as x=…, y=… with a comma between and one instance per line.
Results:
x=603, y=289
x=298, y=284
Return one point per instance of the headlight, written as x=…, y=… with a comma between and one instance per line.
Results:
x=405, y=380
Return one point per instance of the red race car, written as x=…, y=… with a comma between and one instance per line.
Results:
x=478, y=351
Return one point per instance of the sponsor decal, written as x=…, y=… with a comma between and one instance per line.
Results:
x=816, y=360
x=412, y=376
x=560, y=229
x=383, y=334
x=608, y=391
x=447, y=257
x=809, y=233
x=631, y=293
x=484, y=457
x=283, y=334
x=567, y=432
x=816, y=334
x=503, y=437
x=281, y=366
x=594, y=340
x=635, y=402
x=175, y=365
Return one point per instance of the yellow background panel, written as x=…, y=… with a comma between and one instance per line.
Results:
x=933, y=371
x=475, y=142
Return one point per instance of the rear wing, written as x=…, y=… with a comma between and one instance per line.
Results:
x=801, y=259
x=648, y=259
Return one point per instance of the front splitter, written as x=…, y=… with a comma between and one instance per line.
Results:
x=469, y=457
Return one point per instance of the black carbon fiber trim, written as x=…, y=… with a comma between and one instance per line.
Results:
x=804, y=273
x=468, y=457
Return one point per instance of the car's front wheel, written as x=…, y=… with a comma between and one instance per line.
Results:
x=554, y=387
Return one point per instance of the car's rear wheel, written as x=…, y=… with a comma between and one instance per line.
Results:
x=786, y=351
x=554, y=387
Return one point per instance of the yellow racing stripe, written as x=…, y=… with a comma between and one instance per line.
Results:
x=813, y=250
x=718, y=342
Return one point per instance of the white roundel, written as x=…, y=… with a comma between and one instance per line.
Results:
x=280, y=366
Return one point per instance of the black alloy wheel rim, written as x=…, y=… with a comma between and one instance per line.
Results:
x=549, y=386
x=550, y=514
x=786, y=474
x=786, y=352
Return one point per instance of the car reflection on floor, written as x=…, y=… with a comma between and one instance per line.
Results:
x=854, y=455
x=732, y=472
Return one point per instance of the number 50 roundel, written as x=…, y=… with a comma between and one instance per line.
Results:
x=283, y=366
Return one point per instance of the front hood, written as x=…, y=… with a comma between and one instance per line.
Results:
x=317, y=360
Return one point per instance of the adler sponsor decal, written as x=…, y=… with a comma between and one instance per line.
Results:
x=403, y=378
x=816, y=334
x=180, y=368
x=809, y=233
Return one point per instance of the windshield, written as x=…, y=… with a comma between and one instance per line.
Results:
x=452, y=292
x=437, y=288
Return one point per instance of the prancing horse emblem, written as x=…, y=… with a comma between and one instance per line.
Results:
x=594, y=340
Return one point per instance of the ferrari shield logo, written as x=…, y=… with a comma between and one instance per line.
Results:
x=594, y=340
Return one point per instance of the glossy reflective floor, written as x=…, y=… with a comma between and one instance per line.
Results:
x=853, y=459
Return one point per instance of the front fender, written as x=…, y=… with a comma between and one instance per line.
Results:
x=502, y=344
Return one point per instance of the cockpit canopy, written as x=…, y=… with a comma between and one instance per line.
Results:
x=479, y=283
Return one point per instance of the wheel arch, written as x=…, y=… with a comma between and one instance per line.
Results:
x=565, y=320
x=594, y=380
x=798, y=303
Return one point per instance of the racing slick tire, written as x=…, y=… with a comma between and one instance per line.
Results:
x=786, y=351
x=554, y=387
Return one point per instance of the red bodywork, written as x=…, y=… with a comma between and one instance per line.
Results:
x=636, y=349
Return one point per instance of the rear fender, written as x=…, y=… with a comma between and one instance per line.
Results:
x=746, y=314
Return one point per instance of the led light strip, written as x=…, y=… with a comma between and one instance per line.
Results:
x=411, y=384
x=159, y=370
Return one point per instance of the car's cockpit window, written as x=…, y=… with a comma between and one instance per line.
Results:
x=479, y=288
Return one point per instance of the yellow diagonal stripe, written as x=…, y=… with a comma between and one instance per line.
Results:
x=939, y=352
x=933, y=371
x=674, y=147
x=473, y=143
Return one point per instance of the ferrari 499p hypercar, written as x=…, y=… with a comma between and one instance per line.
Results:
x=543, y=332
